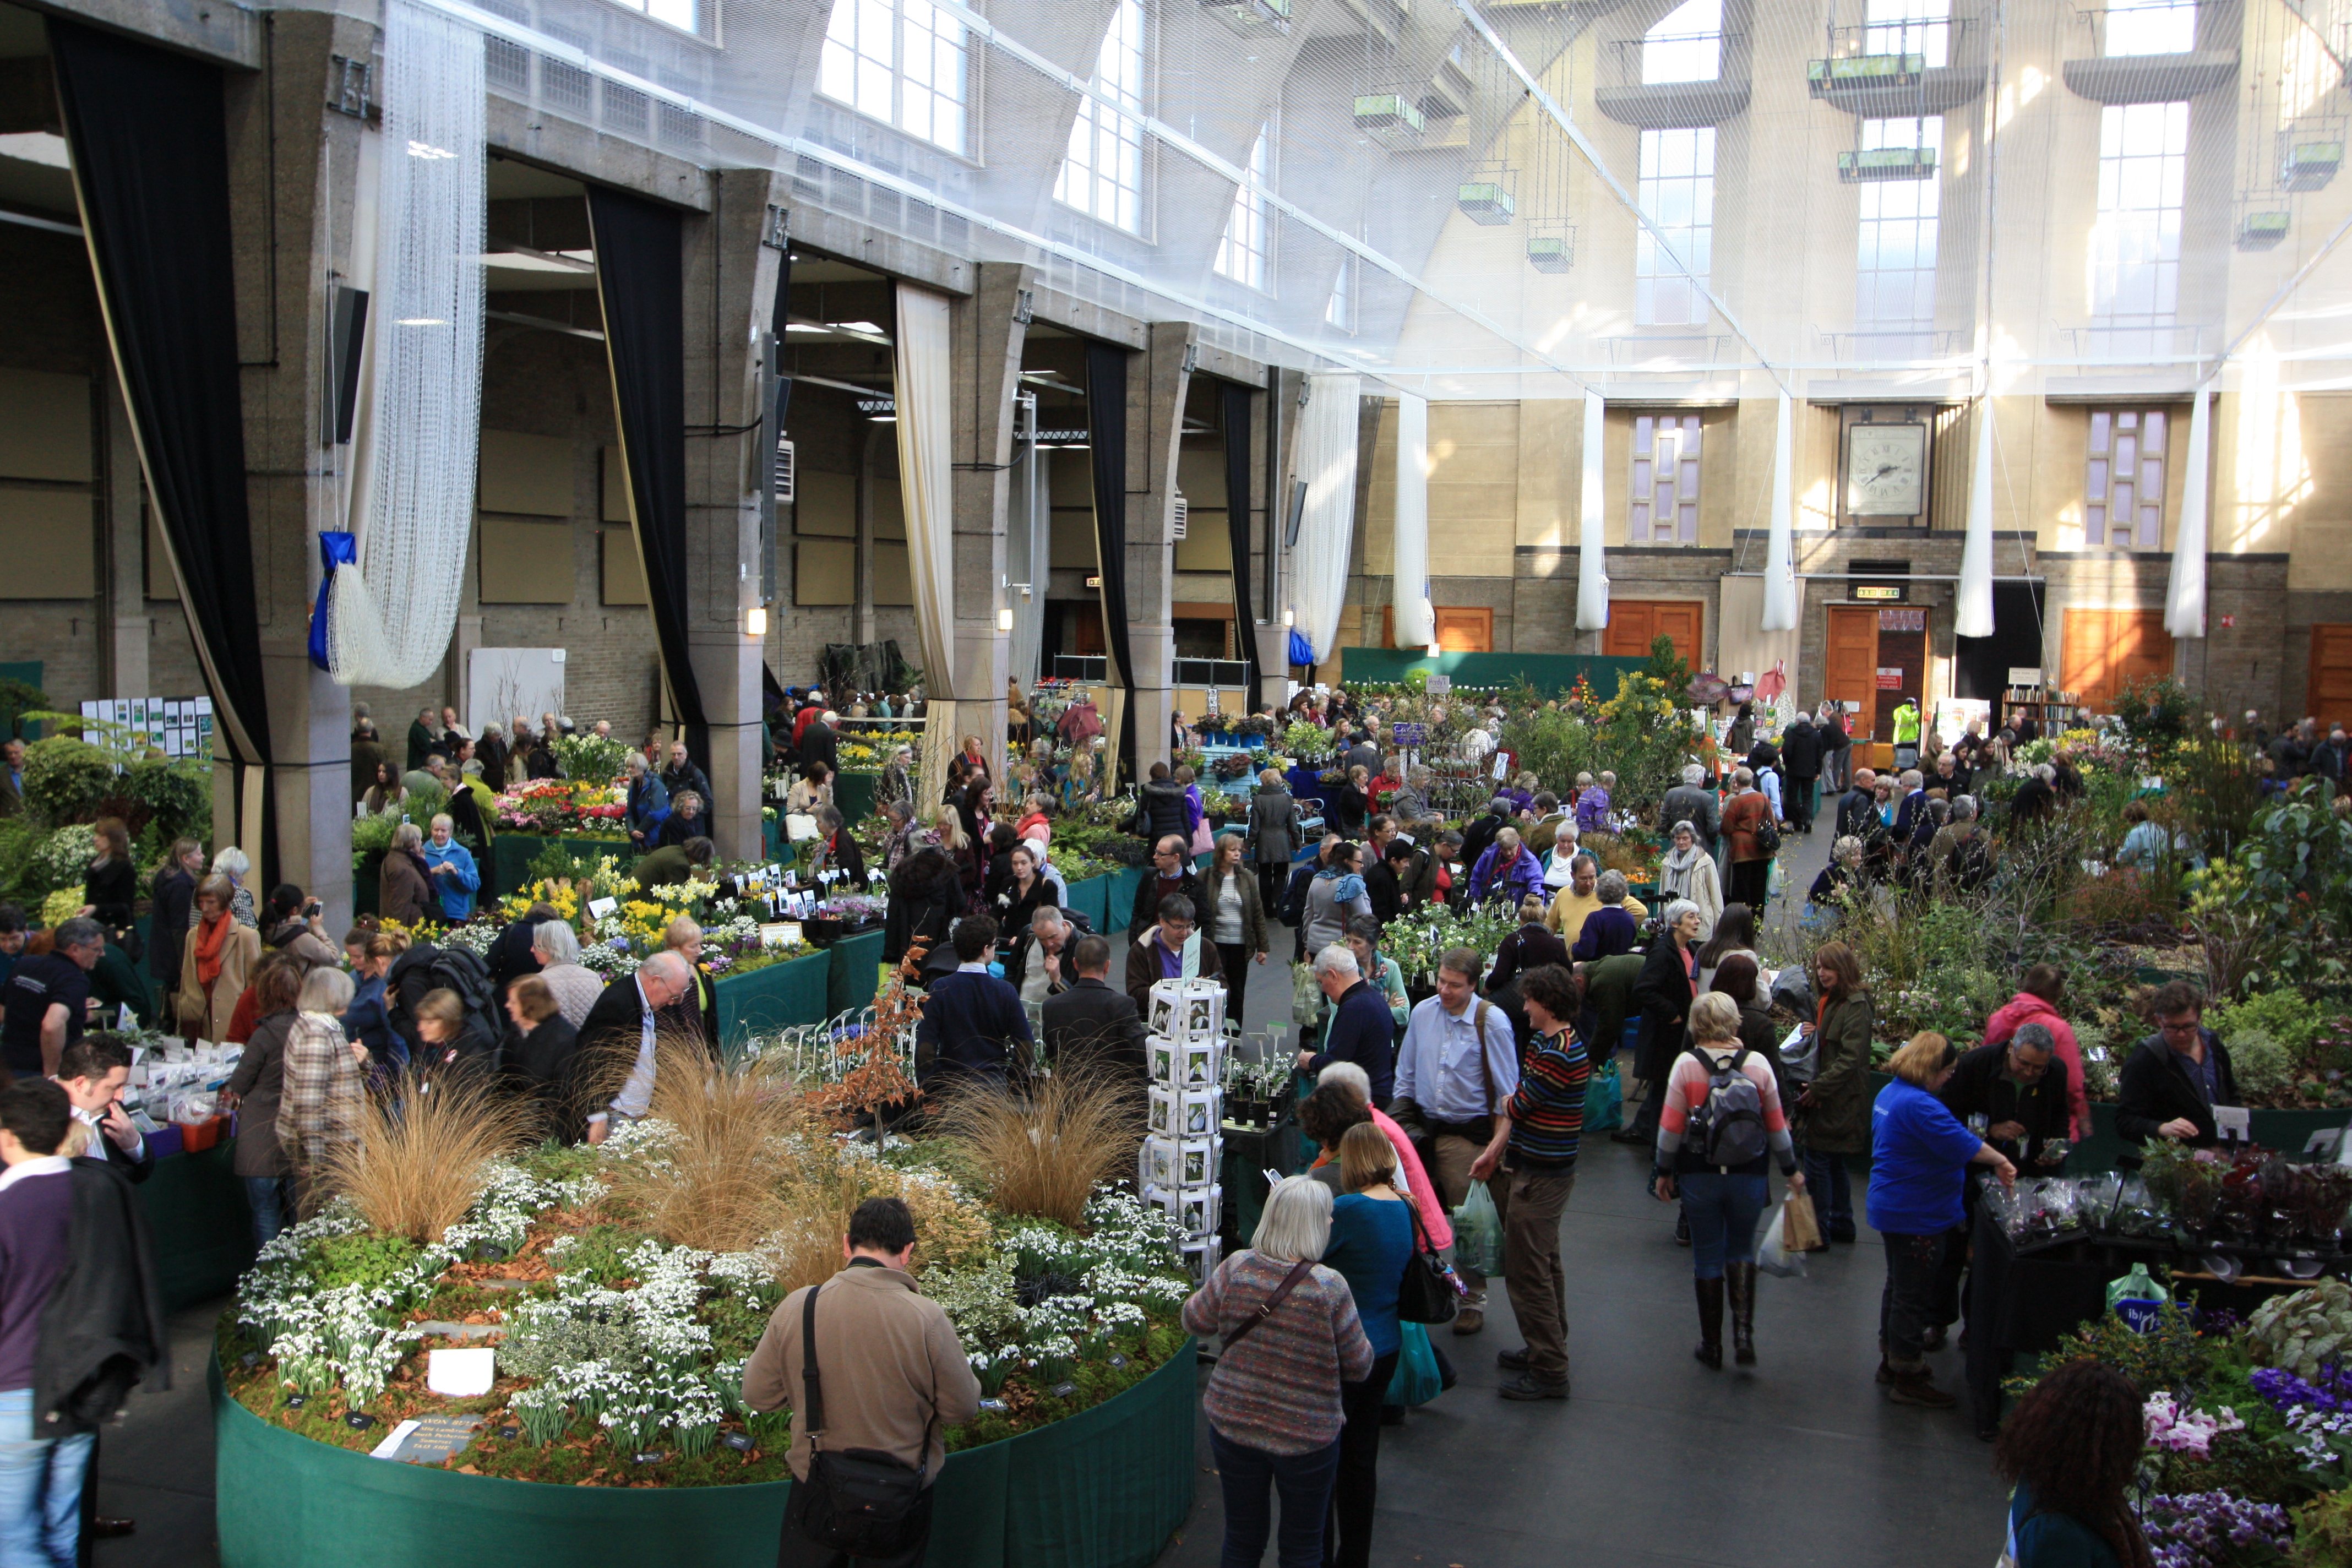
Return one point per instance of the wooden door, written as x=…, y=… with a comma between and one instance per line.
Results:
x=1849, y=665
x=1635, y=624
x=1459, y=629
x=2328, y=699
x=2103, y=651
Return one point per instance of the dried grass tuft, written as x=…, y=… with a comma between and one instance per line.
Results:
x=732, y=1134
x=422, y=1159
x=1042, y=1148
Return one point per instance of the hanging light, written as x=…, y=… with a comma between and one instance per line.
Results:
x=755, y=621
x=1004, y=619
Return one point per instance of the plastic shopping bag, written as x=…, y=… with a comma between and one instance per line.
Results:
x=1416, y=1380
x=1478, y=1233
x=1604, y=1102
x=1772, y=1255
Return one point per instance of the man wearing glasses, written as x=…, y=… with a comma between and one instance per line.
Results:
x=2006, y=1095
x=1173, y=875
x=2175, y=1078
x=1169, y=948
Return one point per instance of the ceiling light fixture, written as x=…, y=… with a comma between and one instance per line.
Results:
x=422, y=321
x=427, y=150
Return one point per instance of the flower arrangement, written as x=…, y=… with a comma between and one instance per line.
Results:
x=560, y=807
x=590, y=758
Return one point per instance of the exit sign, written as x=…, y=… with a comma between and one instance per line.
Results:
x=1094, y=581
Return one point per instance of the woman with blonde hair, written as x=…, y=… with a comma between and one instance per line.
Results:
x=1291, y=1341
x=216, y=962
x=1722, y=1194
x=1371, y=1242
x=947, y=824
x=1919, y=1160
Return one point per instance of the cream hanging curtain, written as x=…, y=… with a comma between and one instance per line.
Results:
x=1592, y=525
x=1327, y=461
x=1417, y=621
x=1779, y=614
x=1972, y=616
x=927, y=479
x=2184, y=597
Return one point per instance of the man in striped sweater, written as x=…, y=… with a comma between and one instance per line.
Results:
x=1546, y=1114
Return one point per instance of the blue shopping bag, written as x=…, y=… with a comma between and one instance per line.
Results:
x=1604, y=1102
x=1416, y=1380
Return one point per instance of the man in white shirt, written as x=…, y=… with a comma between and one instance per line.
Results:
x=94, y=1071
x=1456, y=1072
x=627, y=1015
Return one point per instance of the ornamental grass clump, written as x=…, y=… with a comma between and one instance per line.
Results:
x=1042, y=1147
x=714, y=1184
x=423, y=1159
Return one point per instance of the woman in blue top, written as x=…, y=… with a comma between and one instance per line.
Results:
x=450, y=866
x=1372, y=1241
x=1919, y=1160
x=2071, y=1448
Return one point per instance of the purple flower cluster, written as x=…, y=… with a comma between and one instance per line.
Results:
x=2207, y=1530
x=2331, y=1394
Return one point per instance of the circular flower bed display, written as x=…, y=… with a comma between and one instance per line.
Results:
x=621, y=1289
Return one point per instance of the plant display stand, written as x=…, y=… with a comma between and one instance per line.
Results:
x=1102, y=1489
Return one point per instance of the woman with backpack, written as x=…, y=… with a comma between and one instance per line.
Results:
x=1719, y=1119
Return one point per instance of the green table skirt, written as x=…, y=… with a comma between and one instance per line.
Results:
x=1103, y=1490
x=1122, y=894
x=203, y=1229
x=854, y=795
x=776, y=998
x=1091, y=898
x=855, y=974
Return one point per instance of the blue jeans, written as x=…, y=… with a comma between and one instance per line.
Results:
x=1304, y=1481
x=1722, y=1211
x=1832, y=1188
x=40, y=1487
x=266, y=1195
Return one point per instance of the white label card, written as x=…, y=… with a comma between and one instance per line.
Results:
x=2234, y=1122
x=599, y=908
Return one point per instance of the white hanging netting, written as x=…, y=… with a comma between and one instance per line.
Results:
x=389, y=619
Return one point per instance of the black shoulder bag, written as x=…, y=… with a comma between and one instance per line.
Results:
x=1429, y=1292
x=860, y=1501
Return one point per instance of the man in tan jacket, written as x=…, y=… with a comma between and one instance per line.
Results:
x=893, y=1376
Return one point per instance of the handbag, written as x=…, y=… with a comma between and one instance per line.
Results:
x=860, y=1501
x=1430, y=1291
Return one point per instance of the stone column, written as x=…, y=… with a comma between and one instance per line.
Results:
x=291, y=228
x=129, y=629
x=730, y=287
x=1156, y=384
x=990, y=327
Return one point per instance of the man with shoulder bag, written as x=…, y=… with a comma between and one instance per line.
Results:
x=1455, y=1074
x=887, y=1378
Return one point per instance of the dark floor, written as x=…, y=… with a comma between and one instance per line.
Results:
x=1655, y=1461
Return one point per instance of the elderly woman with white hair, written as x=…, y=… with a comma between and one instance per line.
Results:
x=1688, y=870
x=575, y=986
x=236, y=865
x=898, y=778
x=1291, y=1340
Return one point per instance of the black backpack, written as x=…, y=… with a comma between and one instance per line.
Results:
x=1727, y=1128
x=425, y=968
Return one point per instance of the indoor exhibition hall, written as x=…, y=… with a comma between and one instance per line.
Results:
x=1092, y=784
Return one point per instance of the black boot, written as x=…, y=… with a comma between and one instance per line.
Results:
x=1710, y=1323
x=1739, y=1279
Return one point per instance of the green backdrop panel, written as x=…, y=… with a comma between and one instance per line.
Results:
x=776, y=998
x=856, y=973
x=1091, y=898
x=1103, y=1489
x=202, y=1230
x=512, y=853
x=1547, y=673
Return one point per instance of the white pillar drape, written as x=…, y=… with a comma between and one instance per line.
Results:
x=390, y=616
x=1416, y=620
x=1780, y=542
x=1592, y=526
x=2184, y=597
x=927, y=479
x=1028, y=547
x=1973, y=614
x=1327, y=461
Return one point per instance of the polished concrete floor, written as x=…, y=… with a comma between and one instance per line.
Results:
x=1655, y=1461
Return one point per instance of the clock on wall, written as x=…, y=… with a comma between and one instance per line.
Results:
x=1886, y=469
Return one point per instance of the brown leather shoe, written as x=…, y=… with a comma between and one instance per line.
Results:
x=110, y=1528
x=1469, y=1319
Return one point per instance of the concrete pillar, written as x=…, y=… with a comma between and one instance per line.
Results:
x=292, y=226
x=1156, y=384
x=127, y=629
x=990, y=328
x=730, y=287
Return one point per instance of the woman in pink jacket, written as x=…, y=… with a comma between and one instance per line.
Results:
x=1417, y=1184
x=2037, y=1003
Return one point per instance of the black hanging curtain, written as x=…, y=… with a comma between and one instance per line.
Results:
x=1980, y=665
x=640, y=282
x=1237, y=528
x=150, y=141
x=1106, y=443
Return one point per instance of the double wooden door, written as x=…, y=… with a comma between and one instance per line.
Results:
x=2103, y=651
x=1635, y=624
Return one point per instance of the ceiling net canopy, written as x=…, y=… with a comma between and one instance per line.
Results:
x=1492, y=198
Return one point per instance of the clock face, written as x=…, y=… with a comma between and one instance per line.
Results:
x=1886, y=470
